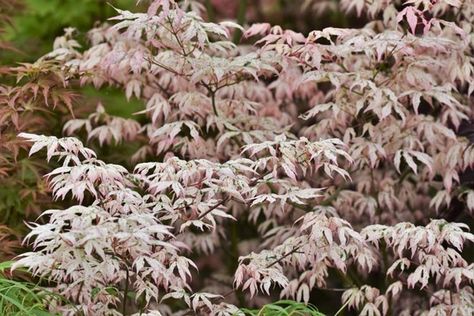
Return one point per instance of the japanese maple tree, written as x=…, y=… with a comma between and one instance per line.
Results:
x=284, y=164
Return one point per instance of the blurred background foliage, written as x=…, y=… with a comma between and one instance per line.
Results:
x=37, y=22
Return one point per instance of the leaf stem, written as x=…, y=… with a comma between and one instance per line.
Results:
x=342, y=308
x=213, y=100
x=125, y=292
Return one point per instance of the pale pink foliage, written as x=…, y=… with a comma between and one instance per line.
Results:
x=331, y=143
x=121, y=236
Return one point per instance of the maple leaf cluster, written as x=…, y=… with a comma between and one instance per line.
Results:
x=322, y=161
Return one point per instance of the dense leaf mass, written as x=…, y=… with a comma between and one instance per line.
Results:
x=265, y=164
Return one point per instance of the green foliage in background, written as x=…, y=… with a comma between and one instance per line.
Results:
x=35, y=27
x=21, y=298
x=284, y=308
x=114, y=100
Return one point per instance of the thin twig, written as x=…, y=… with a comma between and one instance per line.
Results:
x=125, y=292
